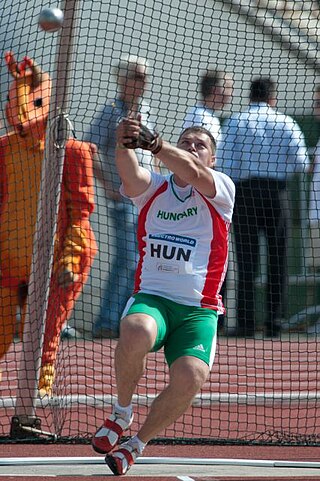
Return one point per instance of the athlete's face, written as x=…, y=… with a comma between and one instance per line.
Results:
x=199, y=145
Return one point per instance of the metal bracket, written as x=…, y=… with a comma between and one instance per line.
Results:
x=23, y=427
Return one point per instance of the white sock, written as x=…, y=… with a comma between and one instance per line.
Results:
x=141, y=445
x=124, y=411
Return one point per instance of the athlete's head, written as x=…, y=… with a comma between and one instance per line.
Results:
x=199, y=142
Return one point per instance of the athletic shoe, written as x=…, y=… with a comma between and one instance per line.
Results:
x=109, y=434
x=122, y=458
x=47, y=375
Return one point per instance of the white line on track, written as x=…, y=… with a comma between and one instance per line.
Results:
x=185, y=478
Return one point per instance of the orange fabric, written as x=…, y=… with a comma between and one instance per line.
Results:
x=8, y=304
x=21, y=161
x=20, y=170
x=20, y=174
x=77, y=203
x=21, y=155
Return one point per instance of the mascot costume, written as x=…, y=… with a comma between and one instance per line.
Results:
x=21, y=156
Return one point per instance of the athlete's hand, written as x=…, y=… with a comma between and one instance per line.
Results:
x=133, y=135
x=127, y=130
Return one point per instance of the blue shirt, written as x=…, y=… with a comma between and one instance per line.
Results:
x=102, y=132
x=261, y=142
x=199, y=115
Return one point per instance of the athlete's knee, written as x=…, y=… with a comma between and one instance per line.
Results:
x=137, y=332
x=189, y=374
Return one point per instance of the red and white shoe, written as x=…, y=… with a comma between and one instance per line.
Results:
x=109, y=434
x=122, y=458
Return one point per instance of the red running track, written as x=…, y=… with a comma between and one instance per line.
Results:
x=242, y=368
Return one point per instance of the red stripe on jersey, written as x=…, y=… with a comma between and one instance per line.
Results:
x=141, y=234
x=218, y=259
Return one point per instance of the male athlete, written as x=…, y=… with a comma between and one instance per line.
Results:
x=183, y=227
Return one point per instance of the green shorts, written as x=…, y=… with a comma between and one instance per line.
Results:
x=182, y=330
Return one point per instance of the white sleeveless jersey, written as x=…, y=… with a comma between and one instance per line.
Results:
x=183, y=241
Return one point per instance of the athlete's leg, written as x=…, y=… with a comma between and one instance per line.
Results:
x=137, y=337
x=187, y=376
x=189, y=351
x=138, y=333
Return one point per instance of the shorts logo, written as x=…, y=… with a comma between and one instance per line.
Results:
x=199, y=347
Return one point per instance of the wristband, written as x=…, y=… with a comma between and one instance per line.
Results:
x=155, y=150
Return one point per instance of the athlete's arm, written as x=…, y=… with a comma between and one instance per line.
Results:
x=188, y=168
x=135, y=178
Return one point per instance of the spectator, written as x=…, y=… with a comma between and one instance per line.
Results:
x=216, y=90
x=131, y=74
x=184, y=221
x=260, y=149
x=314, y=206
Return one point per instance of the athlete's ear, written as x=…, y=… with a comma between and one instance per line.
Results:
x=213, y=161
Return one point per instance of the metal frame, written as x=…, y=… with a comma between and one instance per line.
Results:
x=37, y=461
x=48, y=205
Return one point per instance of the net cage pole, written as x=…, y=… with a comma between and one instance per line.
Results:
x=24, y=421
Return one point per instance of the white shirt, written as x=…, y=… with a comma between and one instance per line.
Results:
x=199, y=115
x=183, y=241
